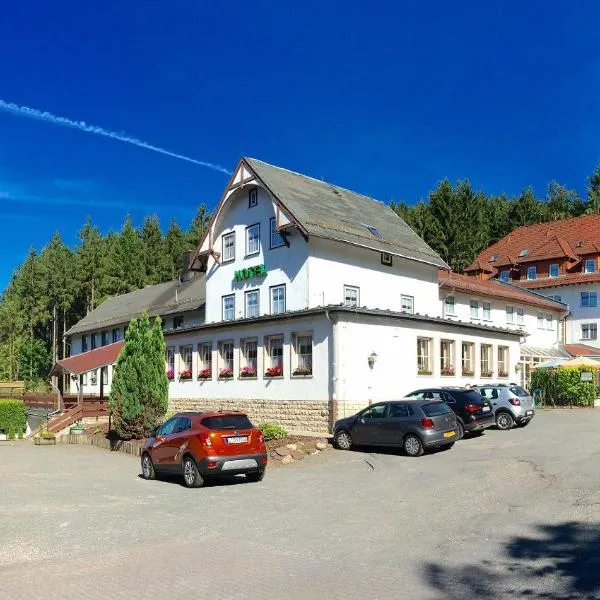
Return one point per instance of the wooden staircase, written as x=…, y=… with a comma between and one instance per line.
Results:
x=91, y=407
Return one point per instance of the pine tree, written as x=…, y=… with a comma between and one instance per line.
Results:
x=152, y=246
x=174, y=247
x=124, y=265
x=526, y=210
x=199, y=224
x=139, y=392
x=90, y=262
x=592, y=205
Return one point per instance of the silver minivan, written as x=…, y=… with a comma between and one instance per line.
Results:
x=512, y=404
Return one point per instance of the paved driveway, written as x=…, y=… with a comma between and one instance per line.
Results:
x=509, y=512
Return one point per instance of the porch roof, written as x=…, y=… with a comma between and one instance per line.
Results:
x=88, y=361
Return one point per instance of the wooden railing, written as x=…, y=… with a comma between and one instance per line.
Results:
x=90, y=408
x=11, y=389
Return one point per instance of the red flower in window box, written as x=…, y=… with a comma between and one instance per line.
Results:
x=185, y=375
x=205, y=374
x=225, y=374
x=448, y=371
x=248, y=372
x=276, y=371
x=171, y=375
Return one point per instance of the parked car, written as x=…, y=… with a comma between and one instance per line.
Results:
x=414, y=425
x=512, y=404
x=473, y=413
x=203, y=445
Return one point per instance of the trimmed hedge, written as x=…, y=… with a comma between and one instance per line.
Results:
x=13, y=418
x=563, y=386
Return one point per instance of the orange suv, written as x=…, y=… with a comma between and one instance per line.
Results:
x=204, y=445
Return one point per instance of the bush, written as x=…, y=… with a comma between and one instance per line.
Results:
x=271, y=431
x=563, y=387
x=13, y=417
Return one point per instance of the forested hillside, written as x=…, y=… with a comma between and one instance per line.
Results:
x=56, y=285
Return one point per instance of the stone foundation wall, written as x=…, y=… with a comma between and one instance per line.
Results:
x=294, y=415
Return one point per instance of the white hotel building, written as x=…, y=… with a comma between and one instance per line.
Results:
x=310, y=301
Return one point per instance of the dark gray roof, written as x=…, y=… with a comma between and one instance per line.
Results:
x=331, y=212
x=162, y=299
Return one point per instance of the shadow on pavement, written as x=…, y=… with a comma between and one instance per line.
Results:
x=568, y=553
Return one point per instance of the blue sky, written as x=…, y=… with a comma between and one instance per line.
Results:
x=385, y=98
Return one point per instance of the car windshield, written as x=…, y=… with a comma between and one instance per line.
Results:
x=227, y=422
x=435, y=409
x=517, y=390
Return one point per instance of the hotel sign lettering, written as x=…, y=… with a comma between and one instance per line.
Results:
x=250, y=272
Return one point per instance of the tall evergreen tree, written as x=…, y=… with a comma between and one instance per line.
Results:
x=526, y=210
x=152, y=250
x=90, y=264
x=561, y=203
x=174, y=247
x=199, y=224
x=593, y=191
x=124, y=265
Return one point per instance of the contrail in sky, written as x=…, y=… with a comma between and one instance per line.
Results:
x=39, y=115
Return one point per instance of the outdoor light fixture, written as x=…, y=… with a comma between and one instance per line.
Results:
x=372, y=358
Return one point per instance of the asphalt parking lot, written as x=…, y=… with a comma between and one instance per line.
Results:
x=505, y=514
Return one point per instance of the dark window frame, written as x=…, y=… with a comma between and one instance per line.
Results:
x=253, y=197
x=389, y=263
x=273, y=220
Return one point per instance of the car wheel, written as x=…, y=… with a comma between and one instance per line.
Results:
x=256, y=476
x=413, y=445
x=147, y=467
x=343, y=440
x=461, y=430
x=191, y=476
x=504, y=421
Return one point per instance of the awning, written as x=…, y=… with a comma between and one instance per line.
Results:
x=553, y=363
x=89, y=361
x=541, y=352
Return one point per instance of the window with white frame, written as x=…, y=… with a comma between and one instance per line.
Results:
x=407, y=304
x=249, y=357
x=170, y=362
x=205, y=360
x=229, y=307
x=540, y=321
x=549, y=321
x=502, y=361
x=276, y=238
x=589, y=331
x=553, y=270
x=590, y=265
x=510, y=315
x=253, y=239
x=447, y=358
x=424, y=364
x=274, y=356
x=504, y=276
x=278, y=299
x=351, y=296
x=487, y=311
x=474, y=309
x=252, y=197
x=252, y=303
x=532, y=272
x=104, y=375
x=520, y=316
x=485, y=360
x=449, y=306
x=185, y=361
x=226, y=359
x=468, y=359
x=589, y=299
x=228, y=246
x=303, y=351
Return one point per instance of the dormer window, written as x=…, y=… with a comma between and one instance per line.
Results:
x=504, y=276
x=553, y=270
x=532, y=272
x=524, y=252
x=590, y=265
x=252, y=198
x=493, y=258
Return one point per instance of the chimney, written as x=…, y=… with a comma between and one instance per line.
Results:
x=187, y=259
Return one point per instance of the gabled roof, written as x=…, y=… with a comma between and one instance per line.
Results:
x=320, y=209
x=567, y=239
x=162, y=299
x=493, y=288
x=89, y=361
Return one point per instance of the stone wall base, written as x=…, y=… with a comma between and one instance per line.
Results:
x=294, y=415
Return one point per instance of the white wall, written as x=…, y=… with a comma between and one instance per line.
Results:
x=395, y=371
x=333, y=265
x=315, y=387
x=545, y=337
x=571, y=295
x=284, y=265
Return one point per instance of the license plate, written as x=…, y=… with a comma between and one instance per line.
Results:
x=529, y=412
x=486, y=409
x=242, y=439
x=449, y=433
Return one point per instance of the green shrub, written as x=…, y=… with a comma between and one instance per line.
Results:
x=13, y=417
x=563, y=387
x=271, y=431
x=46, y=435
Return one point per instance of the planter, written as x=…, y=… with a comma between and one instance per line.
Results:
x=38, y=441
x=76, y=430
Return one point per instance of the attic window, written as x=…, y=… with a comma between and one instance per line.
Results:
x=373, y=230
x=579, y=244
x=493, y=258
x=524, y=252
x=252, y=198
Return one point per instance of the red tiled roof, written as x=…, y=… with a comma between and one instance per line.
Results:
x=581, y=350
x=549, y=282
x=495, y=289
x=569, y=238
x=88, y=361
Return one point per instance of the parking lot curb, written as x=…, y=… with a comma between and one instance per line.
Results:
x=132, y=448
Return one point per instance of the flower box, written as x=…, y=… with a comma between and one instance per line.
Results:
x=274, y=371
x=487, y=373
x=448, y=371
x=170, y=375
x=225, y=374
x=185, y=375
x=248, y=372
x=302, y=372
x=44, y=441
x=502, y=374
x=468, y=373
x=205, y=374
x=424, y=372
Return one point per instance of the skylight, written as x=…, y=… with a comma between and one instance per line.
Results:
x=374, y=231
x=494, y=258
x=524, y=252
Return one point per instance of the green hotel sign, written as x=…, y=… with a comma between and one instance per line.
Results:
x=250, y=272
